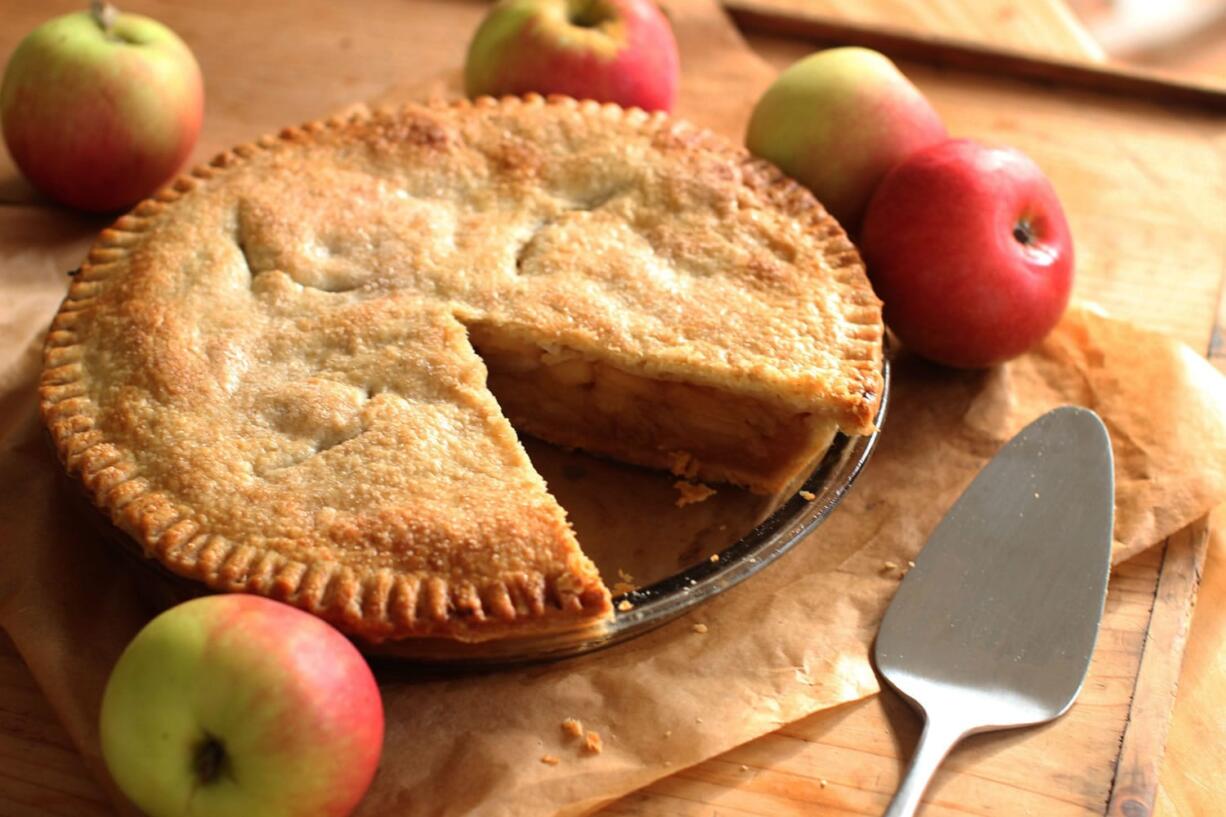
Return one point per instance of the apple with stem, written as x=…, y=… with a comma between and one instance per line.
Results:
x=837, y=121
x=100, y=108
x=969, y=249
x=619, y=51
x=235, y=705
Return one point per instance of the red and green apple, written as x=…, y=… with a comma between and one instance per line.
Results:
x=619, y=51
x=100, y=108
x=235, y=705
x=837, y=121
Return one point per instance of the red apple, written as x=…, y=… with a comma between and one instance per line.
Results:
x=99, y=109
x=837, y=121
x=968, y=247
x=233, y=705
x=619, y=51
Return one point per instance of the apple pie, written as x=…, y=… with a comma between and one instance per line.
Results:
x=300, y=370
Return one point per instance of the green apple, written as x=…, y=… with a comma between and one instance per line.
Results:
x=99, y=108
x=237, y=706
x=837, y=121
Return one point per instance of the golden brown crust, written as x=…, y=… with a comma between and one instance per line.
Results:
x=395, y=572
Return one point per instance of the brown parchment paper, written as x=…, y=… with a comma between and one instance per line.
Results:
x=790, y=642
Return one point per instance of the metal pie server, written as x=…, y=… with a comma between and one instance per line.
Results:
x=994, y=625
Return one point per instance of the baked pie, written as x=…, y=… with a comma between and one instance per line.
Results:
x=300, y=370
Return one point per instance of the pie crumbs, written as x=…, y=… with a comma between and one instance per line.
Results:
x=550, y=760
x=625, y=583
x=692, y=493
x=572, y=727
x=682, y=463
x=592, y=742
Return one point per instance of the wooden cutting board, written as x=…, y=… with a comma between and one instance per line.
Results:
x=1137, y=216
x=1044, y=28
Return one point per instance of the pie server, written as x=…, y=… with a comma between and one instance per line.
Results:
x=994, y=625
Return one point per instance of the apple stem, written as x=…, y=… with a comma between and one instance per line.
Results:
x=104, y=15
x=587, y=13
x=209, y=760
x=1023, y=232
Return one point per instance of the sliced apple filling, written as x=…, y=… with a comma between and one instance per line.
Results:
x=695, y=431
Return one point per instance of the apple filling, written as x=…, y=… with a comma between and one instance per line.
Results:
x=695, y=431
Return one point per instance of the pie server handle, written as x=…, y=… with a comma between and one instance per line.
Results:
x=934, y=744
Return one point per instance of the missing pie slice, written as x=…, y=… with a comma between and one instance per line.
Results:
x=299, y=371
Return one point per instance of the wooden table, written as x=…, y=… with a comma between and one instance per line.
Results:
x=39, y=770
